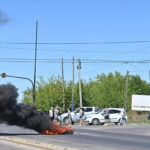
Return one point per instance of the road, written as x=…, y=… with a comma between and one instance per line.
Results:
x=111, y=137
x=5, y=145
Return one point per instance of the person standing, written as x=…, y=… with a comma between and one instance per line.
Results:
x=106, y=112
x=81, y=112
x=69, y=117
x=59, y=116
x=56, y=110
x=51, y=114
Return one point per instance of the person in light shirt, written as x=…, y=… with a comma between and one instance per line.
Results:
x=69, y=117
x=51, y=113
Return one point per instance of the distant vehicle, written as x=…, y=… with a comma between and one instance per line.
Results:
x=148, y=117
x=116, y=115
x=75, y=114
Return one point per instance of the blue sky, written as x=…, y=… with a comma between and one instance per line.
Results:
x=75, y=21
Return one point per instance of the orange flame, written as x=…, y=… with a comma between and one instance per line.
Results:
x=55, y=129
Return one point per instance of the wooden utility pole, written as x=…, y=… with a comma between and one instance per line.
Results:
x=63, y=87
x=73, y=84
x=126, y=97
x=80, y=92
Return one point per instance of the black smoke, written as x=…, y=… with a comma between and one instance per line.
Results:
x=24, y=115
x=3, y=18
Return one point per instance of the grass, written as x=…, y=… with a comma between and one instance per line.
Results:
x=138, y=117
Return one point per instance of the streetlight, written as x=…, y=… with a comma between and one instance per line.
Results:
x=35, y=59
x=4, y=75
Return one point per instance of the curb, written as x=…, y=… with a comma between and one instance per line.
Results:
x=35, y=144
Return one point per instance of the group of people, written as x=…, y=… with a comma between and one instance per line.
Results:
x=81, y=114
x=54, y=113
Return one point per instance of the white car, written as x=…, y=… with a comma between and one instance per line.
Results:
x=116, y=115
x=76, y=116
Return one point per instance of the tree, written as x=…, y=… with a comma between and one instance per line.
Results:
x=103, y=91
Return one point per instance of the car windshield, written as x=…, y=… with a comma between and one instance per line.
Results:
x=101, y=110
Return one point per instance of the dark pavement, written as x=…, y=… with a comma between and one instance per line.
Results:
x=111, y=137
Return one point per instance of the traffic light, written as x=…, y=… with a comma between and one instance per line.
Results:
x=3, y=75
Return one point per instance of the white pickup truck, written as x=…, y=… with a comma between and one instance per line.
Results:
x=75, y=114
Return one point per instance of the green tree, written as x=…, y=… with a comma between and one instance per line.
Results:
x=104, y=91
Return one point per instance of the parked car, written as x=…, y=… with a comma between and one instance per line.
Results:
x=148, y=117
x=116, y=115
x=75, y=114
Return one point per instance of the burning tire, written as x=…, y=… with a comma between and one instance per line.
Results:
x=55, y=129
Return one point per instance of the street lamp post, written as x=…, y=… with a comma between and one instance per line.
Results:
x=3, y=75
x=35, y=59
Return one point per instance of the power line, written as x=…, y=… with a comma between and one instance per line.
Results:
x=44, y=60
x=128, y=52
x=74, y=43
x=78, y=50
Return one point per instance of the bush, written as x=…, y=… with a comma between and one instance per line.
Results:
x=137, y=117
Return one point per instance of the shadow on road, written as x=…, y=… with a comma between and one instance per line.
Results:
x=15, y=134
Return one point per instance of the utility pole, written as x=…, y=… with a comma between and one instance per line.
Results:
x=126, y=97
x=73, y=84
x=35, y=62
x=80, y=92
x=63, y=88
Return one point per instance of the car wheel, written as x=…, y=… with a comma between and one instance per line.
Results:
x=66, y=121
x=95, y=121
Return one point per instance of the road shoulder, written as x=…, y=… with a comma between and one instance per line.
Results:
x=36, y=144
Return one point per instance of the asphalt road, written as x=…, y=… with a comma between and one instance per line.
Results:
x=111, y=137
x=5, y=145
